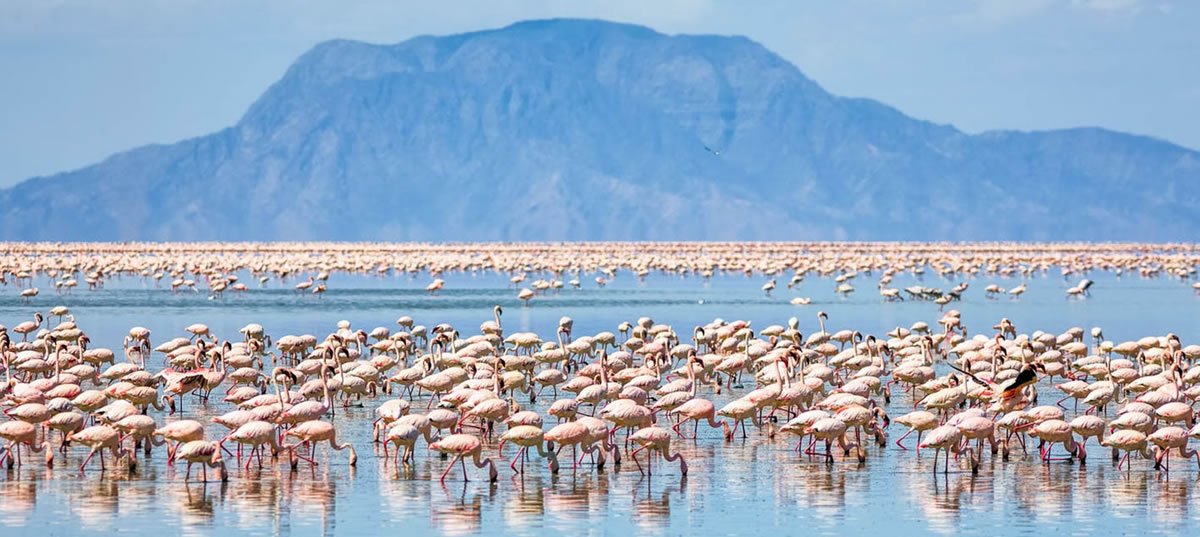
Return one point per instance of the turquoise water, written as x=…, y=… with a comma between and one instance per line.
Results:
x=741, y=487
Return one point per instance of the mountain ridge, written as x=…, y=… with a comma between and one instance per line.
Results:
x=573, y=129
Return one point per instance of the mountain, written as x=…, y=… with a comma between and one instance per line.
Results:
x=589, y=130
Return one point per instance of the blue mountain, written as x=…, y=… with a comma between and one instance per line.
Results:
x=590, y=130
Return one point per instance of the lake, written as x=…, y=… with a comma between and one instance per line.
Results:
x=733, y=488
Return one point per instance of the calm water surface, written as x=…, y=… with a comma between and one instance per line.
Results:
x=737, y=488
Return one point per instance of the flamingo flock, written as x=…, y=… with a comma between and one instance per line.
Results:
x=187, y=268
x=615, y=399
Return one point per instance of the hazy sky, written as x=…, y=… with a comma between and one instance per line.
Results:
x=82, y=80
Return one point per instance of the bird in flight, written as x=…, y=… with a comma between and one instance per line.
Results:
x=713, y=151
x=1010, y=389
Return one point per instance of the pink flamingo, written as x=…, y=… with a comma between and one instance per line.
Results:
x=462, y=445
x=99, y=438
x=254, y=434
x=17, y=433
x=656, y=439
x=527, y=436
x=314, y=432
x=204, y=452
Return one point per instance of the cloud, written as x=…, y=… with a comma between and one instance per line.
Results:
x=1000, y=11
x=1108, y=5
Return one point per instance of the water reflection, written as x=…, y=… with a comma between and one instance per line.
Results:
x=572, y=496
x=461, y=510
x=17, y=501
x=526, y=505
x=652, y=506
x=194, y=505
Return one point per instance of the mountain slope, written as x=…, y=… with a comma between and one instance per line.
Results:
x=572, y=129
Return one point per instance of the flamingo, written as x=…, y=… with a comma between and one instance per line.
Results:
x=98, y=438
x=305, y=285
x=204, y=452
x=917, y=421
x=1129, y=441
x=29, y=327
x=404, y=434
x=1017, y=291
x=254, y=434
x=314, y=432
x=947, y=438
x=17, y=433
x=656, y=439
x=1171, y=438
x=461, y=446
x=527, y=436
x=179, y=432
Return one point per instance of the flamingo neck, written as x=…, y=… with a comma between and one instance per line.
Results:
x=677, y=456
x=691, y=372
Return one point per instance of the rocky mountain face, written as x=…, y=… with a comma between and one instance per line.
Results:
x=590, y=130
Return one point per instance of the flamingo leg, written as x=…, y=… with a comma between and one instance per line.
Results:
x=448, y=468
x=309, y=460
x=675, y=428
x=513, y=463
x=812, y=443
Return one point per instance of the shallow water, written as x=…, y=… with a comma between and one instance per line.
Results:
x=740, y=487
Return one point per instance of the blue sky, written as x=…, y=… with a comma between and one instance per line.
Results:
x=83, y=80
